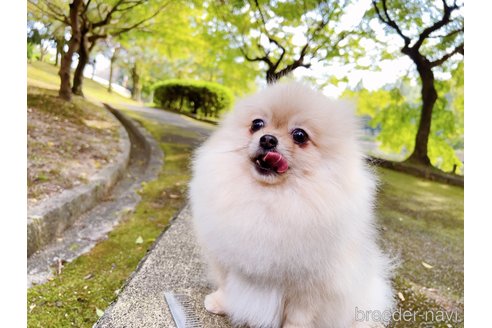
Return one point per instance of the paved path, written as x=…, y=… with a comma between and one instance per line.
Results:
x=177, y=120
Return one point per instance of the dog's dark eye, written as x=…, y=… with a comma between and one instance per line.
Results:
x=257, y=125
x=300, y=136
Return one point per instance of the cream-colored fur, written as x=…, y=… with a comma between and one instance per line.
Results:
x=296, y=249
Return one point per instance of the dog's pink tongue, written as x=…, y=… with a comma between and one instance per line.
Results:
x=276, y=161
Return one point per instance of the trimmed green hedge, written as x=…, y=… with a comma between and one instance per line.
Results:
x=200, y=98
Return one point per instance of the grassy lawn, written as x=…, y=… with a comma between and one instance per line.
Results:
x=93, y=280
x=67, y=142
x=45, y=75
x=423, y=225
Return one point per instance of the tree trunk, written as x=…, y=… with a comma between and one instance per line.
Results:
x=110, y=84
x=429, y=97
x=65, y=91
x=111, y=69
x=42, y=52
x=137, y=88
x=59, y=51
x=272, y=77
x=78, y=76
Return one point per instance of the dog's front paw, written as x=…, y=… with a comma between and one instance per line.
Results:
x=213, y=303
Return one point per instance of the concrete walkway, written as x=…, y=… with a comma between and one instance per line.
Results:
x=174, y=265
x=181, y=121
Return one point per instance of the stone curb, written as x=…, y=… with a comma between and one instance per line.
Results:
x=50, y=218
x=151, y=146
x=429, y=173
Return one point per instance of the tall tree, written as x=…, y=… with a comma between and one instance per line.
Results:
x=114, y=57
x=39, y=37
x=57, y=10
x=136, y=84
x=65, y=91
x=394, y=112
x=91, y=21
x=432, y=34
x=103, y=18
x=58, y=38
x=54, y=30
x=284, y=35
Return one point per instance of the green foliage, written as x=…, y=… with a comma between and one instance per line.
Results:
x=432, y=33
x=196, y=97
x=414, y=16
x=274, y=35
x=448, y=121
x=30, y=50
x=34, y=36
x=389, y=111
x=183, y=42
x=396, y=111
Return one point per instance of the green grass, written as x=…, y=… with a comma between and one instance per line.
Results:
x=423, y=221
x=47, y=101
x=72, y=300
x=45, y=75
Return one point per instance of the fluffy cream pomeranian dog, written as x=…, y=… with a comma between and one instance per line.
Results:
x=282, y=205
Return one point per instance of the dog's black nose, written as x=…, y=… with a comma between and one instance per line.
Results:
x=268, y=142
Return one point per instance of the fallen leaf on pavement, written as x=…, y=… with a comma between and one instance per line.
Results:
x=427, y=266
x=99, y=312
x=400, y=296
